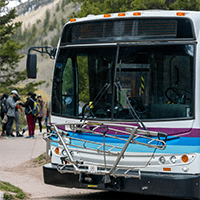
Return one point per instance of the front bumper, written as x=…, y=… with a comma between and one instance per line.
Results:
x=163, y=184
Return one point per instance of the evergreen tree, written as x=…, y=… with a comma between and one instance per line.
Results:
x=186, y=5
x=113, y=6
x=9, y=56
x=149, y=4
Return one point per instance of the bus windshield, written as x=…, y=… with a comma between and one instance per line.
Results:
x=108, y=82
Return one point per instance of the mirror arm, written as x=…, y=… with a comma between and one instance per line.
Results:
x=50, y=50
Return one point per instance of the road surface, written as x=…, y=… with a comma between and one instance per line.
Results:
x=17, y=168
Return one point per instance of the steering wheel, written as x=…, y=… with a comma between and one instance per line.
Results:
x=100, y=109
x=178, y=97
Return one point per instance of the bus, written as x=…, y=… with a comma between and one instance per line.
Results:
x=125, y=103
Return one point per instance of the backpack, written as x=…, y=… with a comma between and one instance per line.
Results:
x=4, y=108
x=36, y=109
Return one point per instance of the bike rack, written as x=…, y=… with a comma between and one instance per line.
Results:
x=79, y=166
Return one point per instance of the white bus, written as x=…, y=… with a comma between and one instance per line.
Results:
x=125, y=104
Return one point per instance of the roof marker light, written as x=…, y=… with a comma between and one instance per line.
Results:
x=136, y=13
x=121, y=14
x=107, y=15
x=181, y=14
x=73, y=20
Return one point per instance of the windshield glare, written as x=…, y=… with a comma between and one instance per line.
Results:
x=107, y=83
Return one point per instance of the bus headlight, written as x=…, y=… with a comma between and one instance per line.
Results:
x=162, y=160
x=173, y=159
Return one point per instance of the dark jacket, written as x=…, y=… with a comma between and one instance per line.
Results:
x=29, y=105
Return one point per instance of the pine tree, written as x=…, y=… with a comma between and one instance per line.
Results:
x=114, y=6
x=9, y=56
x=149, y=4
x=186, y=5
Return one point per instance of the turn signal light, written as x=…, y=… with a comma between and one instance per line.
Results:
x=185, y=158
x=57, y=150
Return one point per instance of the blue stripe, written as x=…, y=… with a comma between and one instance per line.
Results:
x=174, y=145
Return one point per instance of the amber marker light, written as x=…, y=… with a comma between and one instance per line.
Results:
x=73, y=20
x=167, y=169
x=181, y=14
x=57, y=150
x=121, y=14
x=107, y=15
x=185, y=158
x=136, y=13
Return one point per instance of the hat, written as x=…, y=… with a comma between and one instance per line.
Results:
x=14, y=92
x=30, y=93
x=39, y=95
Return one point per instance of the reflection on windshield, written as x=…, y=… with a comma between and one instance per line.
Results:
x=156, y=80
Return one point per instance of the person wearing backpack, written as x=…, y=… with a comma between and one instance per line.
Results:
x=30, y=117
x=3, y=112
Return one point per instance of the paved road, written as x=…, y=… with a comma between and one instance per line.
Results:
x=15, y=168
x=105, y=195
x=14, y=151
x=15, y=154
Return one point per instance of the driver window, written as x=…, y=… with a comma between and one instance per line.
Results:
x=94, y=83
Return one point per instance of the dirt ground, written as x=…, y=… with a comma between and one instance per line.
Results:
x=17, y=167
x=30, y=178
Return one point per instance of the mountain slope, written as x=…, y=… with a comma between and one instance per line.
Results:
x=43, y=27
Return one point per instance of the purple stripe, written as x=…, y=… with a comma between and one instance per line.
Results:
x=183, y=132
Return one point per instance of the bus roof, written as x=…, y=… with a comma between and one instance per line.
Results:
x=192, y=15
x=142, y=13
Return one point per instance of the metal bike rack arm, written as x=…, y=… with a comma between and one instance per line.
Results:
x=123, y=151
x=66, y=149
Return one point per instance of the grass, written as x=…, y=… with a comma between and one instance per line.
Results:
x=11, y=192
x=41, y=160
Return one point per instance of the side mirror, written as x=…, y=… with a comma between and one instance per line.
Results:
x=31, y=65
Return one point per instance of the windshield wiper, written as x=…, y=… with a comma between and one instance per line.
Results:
x=95, y=101
x=129, y=106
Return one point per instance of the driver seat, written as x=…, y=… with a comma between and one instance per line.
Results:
x=137, y=103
